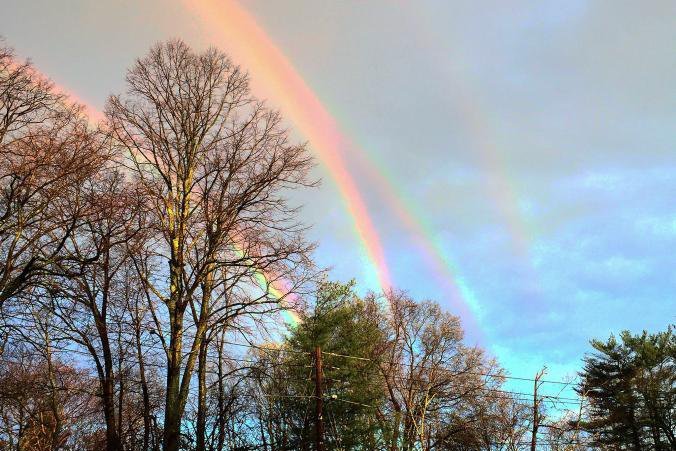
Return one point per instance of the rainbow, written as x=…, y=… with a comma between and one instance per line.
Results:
x=94, y=116
x=230, y=26
x=271, y=285
x=274, y=76
x=480, y=128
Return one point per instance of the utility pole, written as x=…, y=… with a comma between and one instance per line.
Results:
x=537, y=417
x=319, y=402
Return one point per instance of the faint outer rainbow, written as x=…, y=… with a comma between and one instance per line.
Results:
x=269, y=284
x=231, y=27
x=234, y=29
x=480, y=128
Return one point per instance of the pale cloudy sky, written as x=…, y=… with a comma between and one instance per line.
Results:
x=535, y=139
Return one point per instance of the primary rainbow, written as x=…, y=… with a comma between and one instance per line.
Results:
x=233, y=28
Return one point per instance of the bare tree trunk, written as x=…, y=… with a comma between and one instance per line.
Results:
x=203, y=319
x=172, y=412
x=221, y=398
x=144, y=383
x=537, y=417
x=122, y=387
x=113, y=442
x=108, y=396
x=201, y=397
x=53, y=394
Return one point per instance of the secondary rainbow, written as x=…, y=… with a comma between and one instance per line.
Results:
x=481, y=127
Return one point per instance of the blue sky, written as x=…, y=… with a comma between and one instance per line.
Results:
x=536, y=138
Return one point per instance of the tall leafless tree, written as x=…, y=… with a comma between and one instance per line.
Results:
x=214, y=164
x=438, y=394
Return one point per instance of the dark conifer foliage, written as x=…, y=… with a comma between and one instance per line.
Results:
x=631, y=387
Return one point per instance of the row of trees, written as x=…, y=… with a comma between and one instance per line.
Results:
x=145, y=261
x=395, y=375
x=148, y=230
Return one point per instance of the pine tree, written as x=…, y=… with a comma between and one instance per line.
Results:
x=352, y=388
x=631, y=387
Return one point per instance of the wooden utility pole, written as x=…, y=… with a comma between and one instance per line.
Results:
x=537, y=417
x=319, y=401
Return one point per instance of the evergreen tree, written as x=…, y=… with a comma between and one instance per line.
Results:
x=631, y=387
x=352, y=388
x=340, y=326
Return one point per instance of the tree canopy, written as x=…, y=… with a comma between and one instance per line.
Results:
x=631, y=387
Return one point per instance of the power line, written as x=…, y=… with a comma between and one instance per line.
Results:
x=516, y=396
x=474, y=373
x=550, y=398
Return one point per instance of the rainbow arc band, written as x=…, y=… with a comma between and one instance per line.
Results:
x=230, y=26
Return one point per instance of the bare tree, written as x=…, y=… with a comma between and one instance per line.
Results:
x=44, y=401
x=90, y=289
x=213, y=163
x=47, y=153
x=441, y=393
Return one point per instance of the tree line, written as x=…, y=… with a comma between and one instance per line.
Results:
x=145, y=261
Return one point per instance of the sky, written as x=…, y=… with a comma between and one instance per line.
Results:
x=514, y=161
